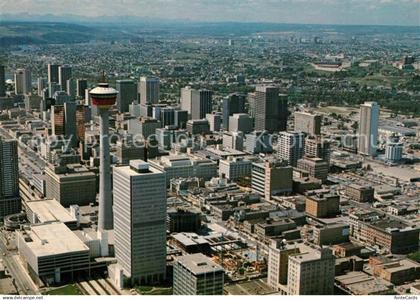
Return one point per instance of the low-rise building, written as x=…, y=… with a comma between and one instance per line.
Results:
x=322, y=205
x=53, y=252
x=235, y=167
x=360, y=193
x=196, y=274
x=391, y=235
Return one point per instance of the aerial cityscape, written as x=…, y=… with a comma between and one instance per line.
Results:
x=220, y=148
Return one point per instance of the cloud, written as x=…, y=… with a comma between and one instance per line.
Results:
x=392, y=12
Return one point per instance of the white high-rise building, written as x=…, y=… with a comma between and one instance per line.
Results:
x=149, y=90
x=23, y=81
x=139, y=222
x=291, y=146
x=198, y=103
x=368, y=128
x=394, y=149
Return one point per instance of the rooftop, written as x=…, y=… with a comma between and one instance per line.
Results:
x=49, y=211
x=199, y=264
x=52, y=239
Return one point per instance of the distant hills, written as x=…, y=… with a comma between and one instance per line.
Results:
x=51, y=29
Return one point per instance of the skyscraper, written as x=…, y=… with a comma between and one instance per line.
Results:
x=9, y=178
x=57, y=120
x=127, y=93
x=308, y=123
x=149, y=90
x=52, y=73
x=291, y=146
x=2, y=82
x=270, y=109
x=81, y=86
x=23, y=81
x=103, y=97
x=368, y=128
x=42, y=84
x=71, y=88
x=140, y=221
x=70, y=129
x=232, y=104
x=81, y=112
x=64, y=74
x=198, y=103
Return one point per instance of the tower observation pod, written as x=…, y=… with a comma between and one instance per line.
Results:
x=103, y=97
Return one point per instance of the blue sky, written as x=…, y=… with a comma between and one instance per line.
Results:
x=379, y=12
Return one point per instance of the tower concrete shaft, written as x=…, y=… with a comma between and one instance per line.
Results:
x=105, y=218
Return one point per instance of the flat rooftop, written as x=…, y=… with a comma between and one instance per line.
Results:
x=199, y=264
x=50, y=211
x=190, y=239
x=360, y=283
x=52, y=239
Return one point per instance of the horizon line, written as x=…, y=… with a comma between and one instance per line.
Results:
x=145, y=18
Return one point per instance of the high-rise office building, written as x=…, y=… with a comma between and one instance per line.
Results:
x=52, y=73
x=70, y=128
x=57, y=120
x=258, y=142
x=167, y=116
x=317, y=147
x=271, y=178
x=71, y=88
x=2, y=81
x=127, y=93
x=181, y=118
x=64, y=74
x=81, y=86
x=140, y=221
x=196, y=274
x=42, y=84
x=232, y=104
x=240, y=122
x=368, y=128
x=215, y=121
x=308, y=123
x=270, y=109
x=53, y=88
x=9, y=178
x=185, y=100
x=23, y=81
x=291, y=146
x=149, y=90
x=82, y=111
x=198, y=103
x=394, y=149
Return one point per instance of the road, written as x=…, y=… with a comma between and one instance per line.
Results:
x=16, y=270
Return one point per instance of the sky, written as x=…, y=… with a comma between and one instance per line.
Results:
x=362, y=12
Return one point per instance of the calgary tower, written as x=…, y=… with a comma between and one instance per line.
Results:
x=104, y=96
